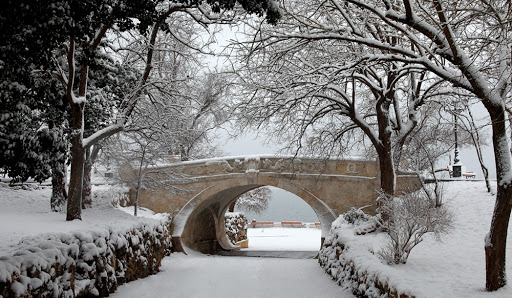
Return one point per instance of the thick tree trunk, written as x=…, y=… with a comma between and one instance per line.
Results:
x=496, y=240
x=59, y=192
x=387, y=173
x=74, y=210
x=385, y=152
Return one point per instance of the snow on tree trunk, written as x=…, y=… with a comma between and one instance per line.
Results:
x=385, y=152
x=496, y=240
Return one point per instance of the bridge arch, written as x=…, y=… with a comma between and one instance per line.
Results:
x=200, y=223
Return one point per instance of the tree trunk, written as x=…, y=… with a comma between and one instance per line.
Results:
x=139, y=181
x=386, y=161
x=387, y=173
x=74, y=210
x=496, y=240
x=86, y=188
x=475, y=136
x=136, y=203
x=485, y=171
x=59, y=192
x=232, y=206
x=90, y=158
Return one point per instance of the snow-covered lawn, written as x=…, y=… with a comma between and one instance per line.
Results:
x=454, y=267
x=215, y=276
x=26, y=213
x=288, y=239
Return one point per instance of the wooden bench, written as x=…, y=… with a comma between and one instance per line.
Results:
x=468, y=175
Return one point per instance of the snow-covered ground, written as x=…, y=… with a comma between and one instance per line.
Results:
x=287, y=239
x=452, y=268
x=25, y=212
x=216, y=276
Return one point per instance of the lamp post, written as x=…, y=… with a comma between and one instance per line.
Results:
x=456, y=167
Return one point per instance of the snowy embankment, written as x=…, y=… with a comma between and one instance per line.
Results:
x=454, y=267
x=42, y=254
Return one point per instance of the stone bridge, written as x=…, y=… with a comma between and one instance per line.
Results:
x=207, y=188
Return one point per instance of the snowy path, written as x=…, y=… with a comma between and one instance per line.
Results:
x=249, y=277
x=217, y=276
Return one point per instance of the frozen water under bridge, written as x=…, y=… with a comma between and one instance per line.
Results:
x=329, y=186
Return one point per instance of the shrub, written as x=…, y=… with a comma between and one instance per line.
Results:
x=364, y=223
x=236, y=226
x=411, y=216
x=355, y=216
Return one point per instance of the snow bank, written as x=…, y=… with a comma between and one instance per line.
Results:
x=454, y=267
x=354, y=266
x=92, y=259
x=83, y=263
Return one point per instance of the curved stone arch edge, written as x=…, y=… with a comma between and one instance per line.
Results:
x=203, y=200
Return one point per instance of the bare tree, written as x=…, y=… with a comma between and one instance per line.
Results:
x=255, y=200
x=205, y=111
x=476, y=133
x=89, y=36
x=325, y=96
x=141, y=149
x=411, y=216
x=432, y=139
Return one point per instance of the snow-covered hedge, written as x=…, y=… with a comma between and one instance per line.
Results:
x=354, y=265
x=81, y=264
x=236, y=226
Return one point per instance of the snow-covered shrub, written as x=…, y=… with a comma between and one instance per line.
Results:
x=363, y=223
x=355, y=216
x=236, y=226
x=350, y=262
x=116, y=195
x=83, y=264
x=411, y=216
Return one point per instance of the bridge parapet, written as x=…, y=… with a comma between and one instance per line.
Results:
x=266, y=164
